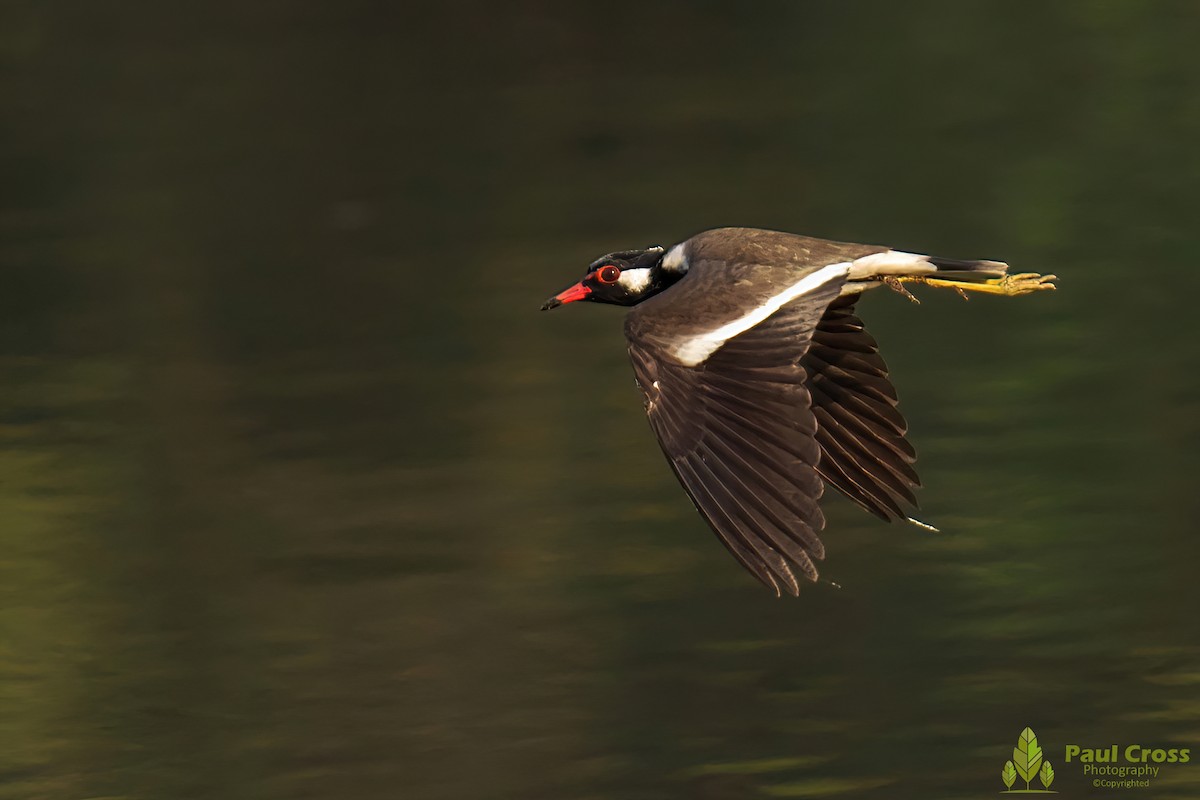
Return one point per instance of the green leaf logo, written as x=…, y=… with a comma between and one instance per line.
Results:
x=1027, y=756
x=1008, y=774
x=1046, y=776
x=1028, y=762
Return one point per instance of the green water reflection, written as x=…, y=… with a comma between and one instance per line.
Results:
x=300, y=496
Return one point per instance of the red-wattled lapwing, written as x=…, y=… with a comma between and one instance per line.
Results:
x=761, y=383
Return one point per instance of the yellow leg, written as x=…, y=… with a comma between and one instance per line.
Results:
x=1007, y=285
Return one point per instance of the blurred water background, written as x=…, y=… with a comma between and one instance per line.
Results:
x=301, y=497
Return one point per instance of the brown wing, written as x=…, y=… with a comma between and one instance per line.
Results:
x=738, y=431
x=864, y=453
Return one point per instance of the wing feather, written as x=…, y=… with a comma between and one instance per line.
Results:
x=764, y=565
x=864, y=450
x=738, y=431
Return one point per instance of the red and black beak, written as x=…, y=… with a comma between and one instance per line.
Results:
x=576, y=292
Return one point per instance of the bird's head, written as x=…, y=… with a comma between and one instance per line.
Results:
x=624, y=279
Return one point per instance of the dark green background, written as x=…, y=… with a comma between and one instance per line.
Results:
x=301, y=497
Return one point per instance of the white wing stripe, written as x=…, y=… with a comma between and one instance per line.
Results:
x=696, y=350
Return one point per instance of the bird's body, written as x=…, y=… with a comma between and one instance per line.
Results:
x=762, y=384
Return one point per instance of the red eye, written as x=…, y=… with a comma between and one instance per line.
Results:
x=608, y=274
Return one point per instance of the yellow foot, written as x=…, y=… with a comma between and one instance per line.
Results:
x=895, y=285
x=1007, y=285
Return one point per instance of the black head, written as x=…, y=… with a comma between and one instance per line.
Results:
x=623, y=279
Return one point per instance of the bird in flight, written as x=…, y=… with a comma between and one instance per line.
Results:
x=763, y=386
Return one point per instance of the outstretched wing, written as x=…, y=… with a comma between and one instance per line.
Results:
x=861, y=433
x=736, y=425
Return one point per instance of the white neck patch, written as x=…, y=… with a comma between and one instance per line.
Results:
x=675, y=260
x=696, y=350
x=635, y=280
